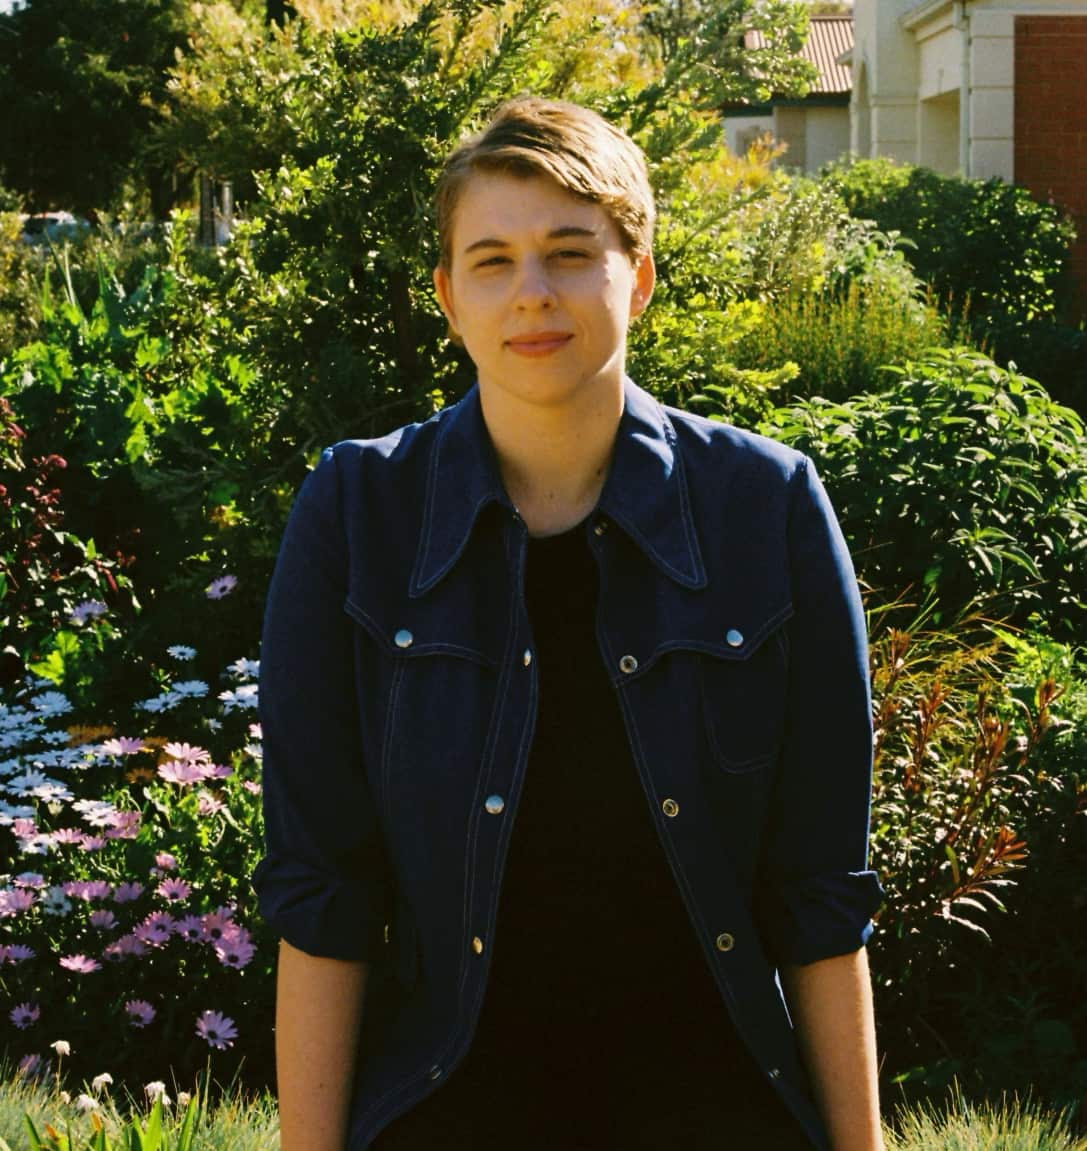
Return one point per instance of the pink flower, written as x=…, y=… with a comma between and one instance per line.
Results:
x=30, y=879
x=174, y=890
x=67, y=835
x=80, y=964
x=191, y=927
x=88, y=889
x=122, y=746
x=127, y=945
x=234, y=948
x=126, y=825
x=156, y=929
x=216, y=922
x=127, y=892
x=92, y=842
x=24, y=829
x=252, y=787
x=222, y=586
x=24, y=1014
x=103, y=919
x=140, y=1012
x=207, y=804
x=218, y=771
x=217, y=1030
x=183, y=774
x=13, y=901
x=166, y=861
x=186, y=753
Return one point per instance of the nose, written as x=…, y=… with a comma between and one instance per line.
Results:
x=534, y=288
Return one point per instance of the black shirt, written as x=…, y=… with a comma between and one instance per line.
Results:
x=601, y=1025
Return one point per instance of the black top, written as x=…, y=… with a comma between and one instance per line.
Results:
x=601, y=1025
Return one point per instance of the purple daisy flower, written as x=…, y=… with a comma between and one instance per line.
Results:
x=15, y=900
x=234, y=948
x=17, y=952
x=80, y=964
x=222, y=586
x=174, y=890
x=127, y=945
x=139, y=1011
x=103, y=919
x=122, y=745
x=25, y=1014
x=127, y=892
x=217, y=1030
x=190, y=928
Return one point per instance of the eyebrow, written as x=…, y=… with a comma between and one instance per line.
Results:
x=555, y=234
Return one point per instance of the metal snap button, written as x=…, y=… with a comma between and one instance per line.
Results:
x=477, y=945
x=670, y=807
x=725, y=942
x=600, y=527
x=527, y=657
x=435, y=1073
x=628, y=664
x=403, y=638
x=494, y=804
x=734, y=638
x=775, y=1072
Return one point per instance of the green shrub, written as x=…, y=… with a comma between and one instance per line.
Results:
x=840, y=340
x=960, y=477
x=987, y=248
x=984, y=240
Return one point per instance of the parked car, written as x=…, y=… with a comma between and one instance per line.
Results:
x=52, y=226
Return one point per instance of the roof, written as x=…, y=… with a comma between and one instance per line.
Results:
x=829, y=38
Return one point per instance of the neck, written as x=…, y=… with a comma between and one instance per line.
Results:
x=553, y=459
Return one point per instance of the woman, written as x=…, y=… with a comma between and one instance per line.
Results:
x=636, y=631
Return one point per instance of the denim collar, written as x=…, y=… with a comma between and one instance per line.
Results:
x=645, y=493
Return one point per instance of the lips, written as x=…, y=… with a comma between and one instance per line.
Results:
x=538, y=343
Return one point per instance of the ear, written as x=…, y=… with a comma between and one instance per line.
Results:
x=645, y=276
x=443, y=290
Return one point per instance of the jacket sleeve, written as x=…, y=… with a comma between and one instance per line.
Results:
x=816, y=894
x=321, y=883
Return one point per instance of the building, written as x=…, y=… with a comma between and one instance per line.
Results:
x=981, y=88
x=814, y=129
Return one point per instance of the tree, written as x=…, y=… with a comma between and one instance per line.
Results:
x=78, y=80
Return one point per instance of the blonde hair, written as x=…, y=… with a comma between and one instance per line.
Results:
x=575, y=147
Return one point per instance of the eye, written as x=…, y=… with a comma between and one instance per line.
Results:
x=571, y=254
x=492, y=261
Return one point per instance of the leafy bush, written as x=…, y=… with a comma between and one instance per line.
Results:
x=977, y=832
x=987, y=247
x=961, y=477
x=985, y=240
x=48, y=575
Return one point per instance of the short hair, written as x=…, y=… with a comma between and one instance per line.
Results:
x=574, y=146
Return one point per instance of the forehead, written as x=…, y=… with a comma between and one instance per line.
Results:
x=504, y=206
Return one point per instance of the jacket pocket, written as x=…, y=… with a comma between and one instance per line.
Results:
x=744, y=686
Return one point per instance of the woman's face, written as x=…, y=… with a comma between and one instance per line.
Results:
x=540, y=288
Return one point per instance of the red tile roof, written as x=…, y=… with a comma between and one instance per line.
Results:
x=829, y=37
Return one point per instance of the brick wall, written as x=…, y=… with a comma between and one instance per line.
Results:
x=1051, y=121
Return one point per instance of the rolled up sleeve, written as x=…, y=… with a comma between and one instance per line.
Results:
x=816, y=895
x=321, y=884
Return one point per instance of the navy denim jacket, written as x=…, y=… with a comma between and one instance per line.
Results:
x=398, y=697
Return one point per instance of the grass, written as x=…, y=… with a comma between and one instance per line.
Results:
x=232, y=1123
x=959, y=1125
x=237, y=1123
